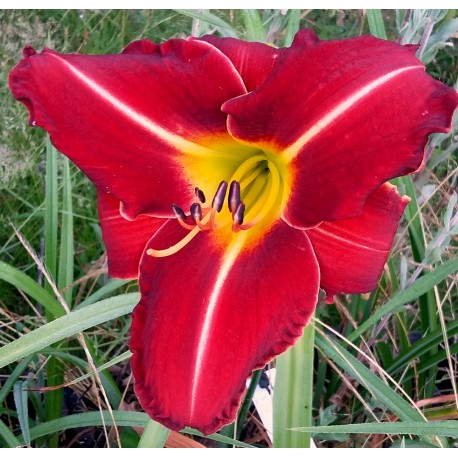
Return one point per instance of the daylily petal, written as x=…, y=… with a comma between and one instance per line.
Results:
x=129, y=120
x=335, y=111
x=210, y=314
x=254, y=61
x=352, y=252
x=124, y=240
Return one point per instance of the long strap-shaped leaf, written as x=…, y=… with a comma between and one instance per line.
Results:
x=447, y=428
x=17, y=278
x=379, y=389
x=122, y=418
x=421, y=286
x=68, y=325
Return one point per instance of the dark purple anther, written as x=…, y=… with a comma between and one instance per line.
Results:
x=220, y=194
x=233, y=199
x=179, y=213
x=239, y=213
x=196, y=212
x=200, y=195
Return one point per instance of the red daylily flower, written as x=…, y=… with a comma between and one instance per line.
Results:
x=235, y=179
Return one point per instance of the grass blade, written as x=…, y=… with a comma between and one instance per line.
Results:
x=54, y=369
x=253, y=25
x=51, y=210
x=448, y=428
x=224, y=28
x=112, y=285
x=67, y=326
x=8, y=436
x=10, y=381
x=420, y=347
x=154, y=435
x=67, y=251
x=376, y=25
x=379, y=389
x=121, y=417
x=21, y=401
x=421, y=286
x=29, y=286
x=292, y=27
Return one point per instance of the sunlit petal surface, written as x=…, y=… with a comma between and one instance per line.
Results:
x=128, y=120
x=347, y=115
x=210, y=315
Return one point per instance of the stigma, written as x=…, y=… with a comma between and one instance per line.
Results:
x=253, y=197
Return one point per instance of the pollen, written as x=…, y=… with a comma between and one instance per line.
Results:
x=254, y=198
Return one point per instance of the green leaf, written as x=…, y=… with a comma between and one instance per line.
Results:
x=421, y=286
x=154, y=435
x=67, y=326
x=8, y=436
x=51, y=210
x=29, y=286
x=224, y=28
x=292, y=26
x=422, y=346
x=377, y=387
x=293, y=395
x=448, y=428
x=122, y=418
x=112, y=285
x=20, y=400
x=9, y=382
x=67, y=251
x=253, y=26
x=376, y=25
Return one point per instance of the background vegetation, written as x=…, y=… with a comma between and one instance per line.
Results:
x=384, y=373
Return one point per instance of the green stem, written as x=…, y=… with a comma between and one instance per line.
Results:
x=247, y=401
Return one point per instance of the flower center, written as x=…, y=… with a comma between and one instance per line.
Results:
x=254, y=199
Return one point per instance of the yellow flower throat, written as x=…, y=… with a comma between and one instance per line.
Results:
x=254, y=201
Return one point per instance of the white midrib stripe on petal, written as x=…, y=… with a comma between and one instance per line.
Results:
x=347, y=241
x=291, y=151
x=131, y=114
x=228, y=261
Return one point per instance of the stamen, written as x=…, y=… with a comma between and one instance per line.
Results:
x=196, y=212
x=181, y=217
x=196, y=215
x=233, y=199
x=178, y=211
x=239, y=213
x=200, y=195
x=257, y=180
x=220, y=194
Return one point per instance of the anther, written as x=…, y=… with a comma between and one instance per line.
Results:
x=239, y=213
x=233, y=199
x=200, y=195
x=179, y=213
x=196, y=212
x=218, y=200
